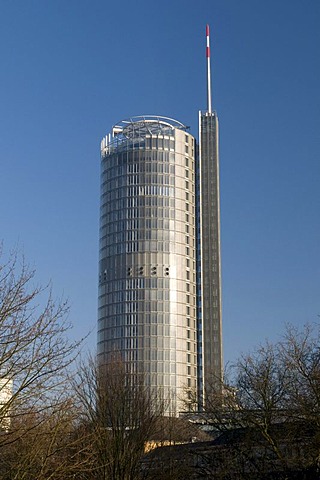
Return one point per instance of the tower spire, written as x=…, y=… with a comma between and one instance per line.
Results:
x=208, y=70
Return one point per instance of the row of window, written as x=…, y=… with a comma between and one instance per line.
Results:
x=129, y=220
x=149, y=167
x=140, y=207
x=149, y=229
x=134, y=235
x=145, y=305
x=148, y=221
x=135, y=330
x=160, y=143
x=157, y=332
x=129, y=180
x=135, y=284
x=138, y=190
x=145, y=229
x=162, y=359
x=134, y=307
x=140, y=295
x=133, y=207
x=136, y=295
x=123, y=173
x=118, y=159
x=136, y=173
x=140, y=223
x=142, y=318
x=136, y=247
x=156, y=175
x=158, y=185
x=162, y=319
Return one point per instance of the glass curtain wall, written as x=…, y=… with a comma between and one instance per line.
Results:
x=147, y=267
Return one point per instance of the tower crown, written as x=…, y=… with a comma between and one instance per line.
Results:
x=139, y=127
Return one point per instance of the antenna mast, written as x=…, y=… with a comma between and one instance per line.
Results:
x=208, y=69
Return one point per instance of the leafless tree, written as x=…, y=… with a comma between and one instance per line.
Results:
x=299, y=352
x=49, y=447
x=35, y=356
x=120, y=415
x=271, y=401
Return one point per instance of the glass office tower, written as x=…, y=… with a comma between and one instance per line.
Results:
x=160, y=263
x=147, y=267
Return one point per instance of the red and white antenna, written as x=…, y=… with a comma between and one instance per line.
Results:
x=208, y=69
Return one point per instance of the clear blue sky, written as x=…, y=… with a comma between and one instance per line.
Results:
x=70, y=69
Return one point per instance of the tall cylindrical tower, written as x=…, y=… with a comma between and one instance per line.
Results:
x=147, y=286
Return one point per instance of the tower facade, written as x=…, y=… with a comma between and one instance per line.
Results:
x=147, y=267
x=160, y=263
